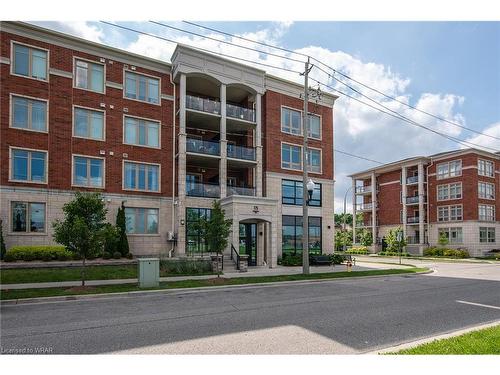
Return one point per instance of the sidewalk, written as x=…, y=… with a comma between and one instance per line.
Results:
x=252, y=272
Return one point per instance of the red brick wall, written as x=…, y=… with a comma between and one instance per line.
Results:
x=62, y=96
x=389, y=198
x=272, y=135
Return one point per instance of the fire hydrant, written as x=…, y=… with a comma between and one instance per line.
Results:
x=349, y=266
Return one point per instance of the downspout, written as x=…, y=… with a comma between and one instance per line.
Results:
x=173, y=168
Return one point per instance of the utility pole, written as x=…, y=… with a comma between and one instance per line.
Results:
x=305, y=198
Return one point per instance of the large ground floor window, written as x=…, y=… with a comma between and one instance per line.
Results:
x=195, y=241
x=292, y=235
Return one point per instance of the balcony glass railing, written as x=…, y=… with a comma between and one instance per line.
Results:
x=202, y=147
x=241, y=113
x=204, y=190
x=412, y=200
x=412, y=220
x=364, y=206
x=235, y=190
x=412, y=180
x=363, y=189
x=203, y=104
x=240, y=152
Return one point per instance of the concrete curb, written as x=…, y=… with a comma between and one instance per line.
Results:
x=176, y=291
x=412, y=344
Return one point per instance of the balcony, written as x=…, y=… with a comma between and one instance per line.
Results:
x=240, y=113
x=363, y=189
x=202, y=147
x=235, y=190
x=412, y=180
x=203, y=190
x=364, y=206
x=240, y=152
x=413, y=220
x=202, y=104
x=365, y=224
x=412, y=200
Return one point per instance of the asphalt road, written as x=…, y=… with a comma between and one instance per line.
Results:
x=339, y=316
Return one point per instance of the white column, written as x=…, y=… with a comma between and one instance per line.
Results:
x=421, y=209
x=258, y=145
x=405, y=192
x=181, y=170
x=223, y=143
x=374, y=210
x=353, y=211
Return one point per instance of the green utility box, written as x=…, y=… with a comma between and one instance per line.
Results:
x=149, y=272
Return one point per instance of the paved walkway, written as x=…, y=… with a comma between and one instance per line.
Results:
x=252, y=272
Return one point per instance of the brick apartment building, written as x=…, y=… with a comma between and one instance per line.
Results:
x=164, y=138
x=451, y=193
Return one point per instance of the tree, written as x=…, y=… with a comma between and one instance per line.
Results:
x=343, y=239
x=3, y=250
x=215, y=230
x=365, y=237
x=121, y=224
x=111, y=237
x=81, y=231
x=391, y=239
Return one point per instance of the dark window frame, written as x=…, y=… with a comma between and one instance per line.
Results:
x=298, y=224
x=201, y=245
x=297, y=200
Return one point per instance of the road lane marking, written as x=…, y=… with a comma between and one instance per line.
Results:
x=479, y=304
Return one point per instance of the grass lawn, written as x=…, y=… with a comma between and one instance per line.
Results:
x=40, y=275
x=485, y=341
x=46, y=292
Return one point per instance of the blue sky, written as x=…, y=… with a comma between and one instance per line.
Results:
x=451, y=69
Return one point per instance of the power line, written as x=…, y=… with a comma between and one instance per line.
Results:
x=346, y=76
x=356, y=156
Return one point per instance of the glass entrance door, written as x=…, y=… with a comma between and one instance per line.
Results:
x=248, y=242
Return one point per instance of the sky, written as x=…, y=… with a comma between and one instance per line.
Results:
x=450, y=69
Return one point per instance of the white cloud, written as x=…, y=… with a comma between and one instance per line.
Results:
x=81, y=29
x=484, y=140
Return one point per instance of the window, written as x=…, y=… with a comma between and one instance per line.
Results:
x=144, y=177
x=28, y=217
x=449, y=169
x=449, y=191
x=291, y=156
x=141, y=132
x=486, y=212
x=29, y=114
x=291, y=193
x=30, y=62
x=89, y=76
x=450, y=213
x=314, y=160
x=453, y=235
x=292, y=235
x=88, y=123
x=485, y=168
x=486, y=234
x=291, y=121
x=88, y=172
x=29, y=166
x=486, y=190
x=196, y=243
x=141, y=220
x=143, y=88
x=314, y=129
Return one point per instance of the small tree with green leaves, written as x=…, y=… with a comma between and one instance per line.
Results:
x=3, y=250
x=216, y=230
x=81, y=231
x=443, y=240
x=121, y=224
x=343, y=239
x=365, y=237
x=391, y=239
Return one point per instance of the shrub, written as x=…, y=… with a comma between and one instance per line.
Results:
x=361, y=250
x=45, y=253
x=291, y=260
x=111, y=237
x=444, y=252
x=336, y=258
x=186, y=266
x=117, y=255
x=129, y=256
x=394, y=253
x=106, y=255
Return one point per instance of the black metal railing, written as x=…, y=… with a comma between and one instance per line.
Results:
x=236, y=257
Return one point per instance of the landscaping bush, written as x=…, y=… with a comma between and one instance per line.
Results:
x=186, y=266
x=117, y=255
x=361, y=250
x=291, y=260
x=444, y=252
x=336, y=258
x=106, y=255
x=129, y=256
x=393, y=253
x=45, y=253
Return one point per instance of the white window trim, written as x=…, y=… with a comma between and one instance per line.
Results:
x=301, y=119
x=320, y=158
x=448, y=207
x=86, y=186
x=146, y=234
x=141, y=190
x=75, y=58
x=449, y=189
x=145, y=119
x=301, y=157
x=11, y=112
x=448, y=229
x=11, y=179
x=486, y=220
x=486, y=161
x=90, y=109
x=487, y=237
x=10, y=232
x=448, y=162
x=486, y=183
x=146, y=75
x=12, y=61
